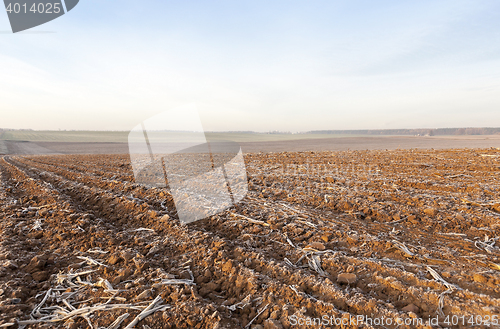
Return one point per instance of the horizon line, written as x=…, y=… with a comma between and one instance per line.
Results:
x=325, y=131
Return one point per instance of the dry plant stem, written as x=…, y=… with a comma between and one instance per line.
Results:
x=143, y=229
x=147, y=311
x=91, y=261
x=251, y=220
x=441, y=301
x=35, y=311
x=84, y=311
x=438, y=278
x=258, y=314
x=403, y=248
x=178, y=281
x=116, y=324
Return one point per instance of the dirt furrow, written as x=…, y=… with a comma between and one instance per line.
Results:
x=199, y=252
x=343, y=234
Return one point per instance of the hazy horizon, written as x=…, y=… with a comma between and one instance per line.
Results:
x=250, y=131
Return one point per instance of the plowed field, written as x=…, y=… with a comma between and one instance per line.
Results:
x=406, y=235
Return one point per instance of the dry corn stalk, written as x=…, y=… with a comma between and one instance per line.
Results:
x=62, y=315
x=314, y=263
x=258, y=314
x=178, y=281
x=116, y=324
x=438, y=278
x=441, y=302
x=403, y=248
x=91, y=261
x=488, y=244
x=251, y=220
x=152, y=308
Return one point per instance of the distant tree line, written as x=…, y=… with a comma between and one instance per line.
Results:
x=10, y=129
x=413, y=132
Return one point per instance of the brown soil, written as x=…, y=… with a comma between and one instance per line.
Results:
x=319, y=233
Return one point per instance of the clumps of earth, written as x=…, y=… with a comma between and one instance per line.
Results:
x=406, y=234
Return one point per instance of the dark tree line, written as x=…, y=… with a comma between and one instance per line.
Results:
x=414, y=132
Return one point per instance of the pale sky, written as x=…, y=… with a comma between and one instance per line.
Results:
x=256, y=65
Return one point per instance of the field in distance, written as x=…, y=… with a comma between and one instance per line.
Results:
x=116, y=142
x=122, y=136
